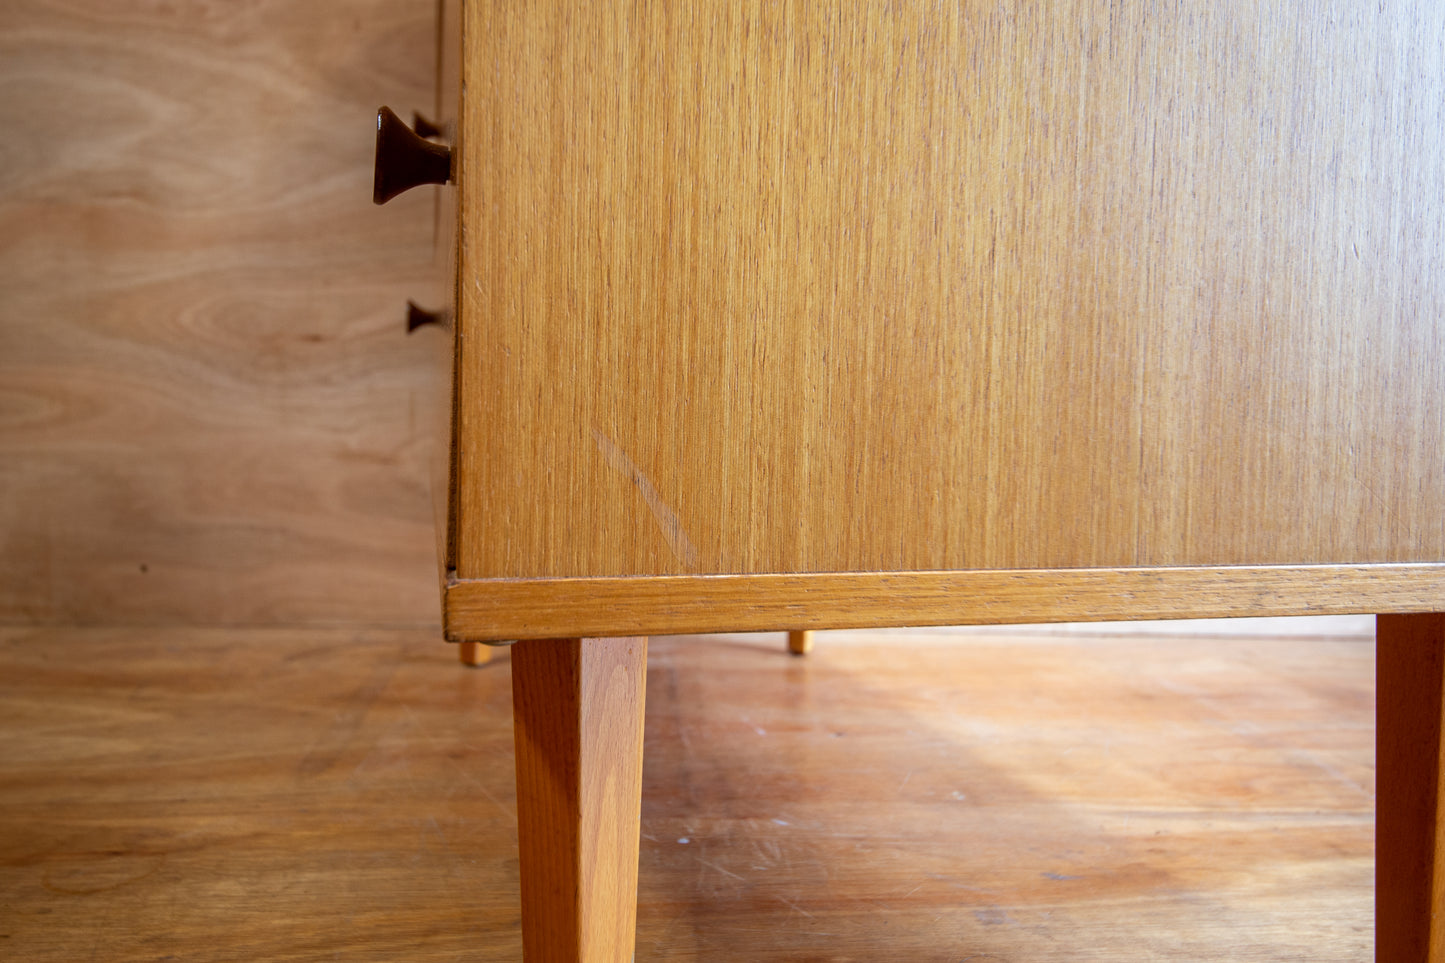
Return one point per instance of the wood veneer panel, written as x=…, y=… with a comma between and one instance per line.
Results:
x=543, y=608
x=784, y=287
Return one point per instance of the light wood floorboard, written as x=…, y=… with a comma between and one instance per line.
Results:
x=1005, y=795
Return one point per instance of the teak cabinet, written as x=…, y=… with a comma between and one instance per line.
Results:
x=776, y=315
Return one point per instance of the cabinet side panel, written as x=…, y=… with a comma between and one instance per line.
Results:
x=1295, y=378
x=831, y=287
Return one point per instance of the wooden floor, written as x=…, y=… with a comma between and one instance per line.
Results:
x=310, y=794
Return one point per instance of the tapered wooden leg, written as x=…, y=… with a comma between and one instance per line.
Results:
x=1409, y=844
x=474, y=653
x=577, y=706
x=800, y=643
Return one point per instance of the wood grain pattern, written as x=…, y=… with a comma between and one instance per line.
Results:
x=304, y=794
x=578, y=708
x=538, y=608
x=1409, y=833
x=842, y=287
x=209, y=411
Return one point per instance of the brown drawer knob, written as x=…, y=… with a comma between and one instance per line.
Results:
x=426, y=128
x=418, y=316
x=404, y=159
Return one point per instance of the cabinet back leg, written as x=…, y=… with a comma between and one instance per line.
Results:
x=474, y=653
x=577, y=706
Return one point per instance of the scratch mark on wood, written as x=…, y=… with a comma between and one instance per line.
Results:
x=682, y=547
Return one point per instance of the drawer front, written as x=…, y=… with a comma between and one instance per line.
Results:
x=447, y=232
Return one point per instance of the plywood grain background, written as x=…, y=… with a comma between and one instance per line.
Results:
x=208, y=409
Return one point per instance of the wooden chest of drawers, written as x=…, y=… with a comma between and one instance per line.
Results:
x=792, y=316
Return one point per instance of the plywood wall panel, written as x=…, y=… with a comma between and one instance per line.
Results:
x=208, y=409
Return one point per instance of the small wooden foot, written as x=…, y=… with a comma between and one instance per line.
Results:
x=577, y=706
x=1409, y=843
x=474, y=653
x=800, y=643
